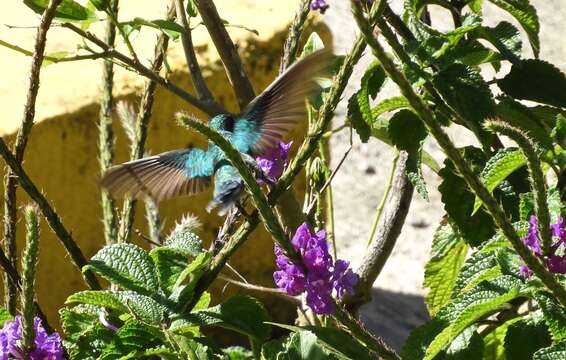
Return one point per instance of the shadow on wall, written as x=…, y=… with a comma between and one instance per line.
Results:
x=62, y=159
x=393, y=316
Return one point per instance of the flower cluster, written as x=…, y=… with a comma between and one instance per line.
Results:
x=319, y=5
x=554, y=262
x=273, y=163
x=47, y=347
x=320, y=275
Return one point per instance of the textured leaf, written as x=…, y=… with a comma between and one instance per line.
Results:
x=465, y=90
x=525, y=337
x=132, y=338
x=238, y=353
x=535, y=80
x=184, y=241
x=506, y=38
x=554, y=315
x=5, y=316
x=476, y=268
x=169, y=264
x=524, y=118
x=442, y=269
x=559, y=131
x=126, y=265
x=467, y=345
x=185, y=284
x=336, y=341
x=100, y=4
x=104, y=298
x=393, y=103
x=239, y=313
x=359, y=110
x=494, y=341
x=526, y=15
x=459, y=202
x=168, y=27
x=554, y=352
x=488, y=302
x=68, y=10
x=302, y=346
x=498, y=168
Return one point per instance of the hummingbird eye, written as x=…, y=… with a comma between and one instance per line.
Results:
x=229, y=123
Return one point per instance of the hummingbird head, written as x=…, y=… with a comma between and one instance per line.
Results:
x=222, y=122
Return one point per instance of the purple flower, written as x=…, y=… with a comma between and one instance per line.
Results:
x=275, y=162
x=343, y=279
x=525, y=272
x=558, y=230
x=556, y=264
x=319, y=5
x=531, y=239
x=322, y=274
x=47, y=347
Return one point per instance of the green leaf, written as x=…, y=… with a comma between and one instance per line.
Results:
x=449, y=252
x=192, y=9
x=486, y=302
x=5, y=316
x=554, y=352
x=104, y=298
x=535, y=80
x=554, y=315
x=183, y=289
x=494, y=341
x=243, y=314
x=68, y=10
x=498, y=168
x=525, y=337
x=168, y=27
x=126, y=265
x=524, y=118
x=133, y=338
x=475, y=6
x=506, y=38
x=336, y=341
x=467, y=345
x=302, y=346
x=526, y=15
x=169, y=264
x=559, y=131
x=359, y=110
x=406, y=130
x=184, y=241
x=477, y=268
x=459, y=202
x=465, y=90
x=387, y=105
x=100, y=4
x=313, y=43
x=238, y=353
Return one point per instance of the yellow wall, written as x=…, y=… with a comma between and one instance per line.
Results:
x=61, y=157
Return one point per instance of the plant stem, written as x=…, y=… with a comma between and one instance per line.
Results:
x=202, y=90
x=29, y=267
x=10, y=180
x=207, y=107
x=381, y=205
x=295, y=30
x=50, y=215
x=141, y=122
x=230, y=58
x=106, y=136
x=328, y=201
x=537, y=178
x=435, y=129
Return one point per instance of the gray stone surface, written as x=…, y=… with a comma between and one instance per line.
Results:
x=398, y=305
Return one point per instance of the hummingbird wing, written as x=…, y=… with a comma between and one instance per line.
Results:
x=163, y=176
x=281, y=106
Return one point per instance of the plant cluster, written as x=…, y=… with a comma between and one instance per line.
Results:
x=496, y=274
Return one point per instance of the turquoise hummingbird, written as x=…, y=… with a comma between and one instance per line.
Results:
x=254, y=132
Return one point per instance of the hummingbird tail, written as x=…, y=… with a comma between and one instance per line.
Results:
x=227, y=198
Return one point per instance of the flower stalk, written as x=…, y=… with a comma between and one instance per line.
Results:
x=29, y=268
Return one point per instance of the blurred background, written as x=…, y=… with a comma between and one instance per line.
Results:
x=62, y=155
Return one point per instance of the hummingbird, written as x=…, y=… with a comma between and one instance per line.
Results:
x=253, y=132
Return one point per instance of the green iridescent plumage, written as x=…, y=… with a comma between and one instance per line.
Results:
x=255, y=131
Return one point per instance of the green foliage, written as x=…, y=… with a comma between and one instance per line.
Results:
x=535, y=80
x=525, y=337
x=554, y=352
x=67, y=11
x=359, y=108
x=526, y=15
x=168, y=27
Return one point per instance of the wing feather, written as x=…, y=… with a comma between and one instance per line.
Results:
x=274, y=112
x=163, y=176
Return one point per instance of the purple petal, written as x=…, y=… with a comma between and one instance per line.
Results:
x=556, y=264
x=301, y=237
x=343, y=279
x=525, y=272
x=291, y=280
x=531, y=239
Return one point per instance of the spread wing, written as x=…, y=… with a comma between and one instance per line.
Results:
x=281, y=106
x=163, y=176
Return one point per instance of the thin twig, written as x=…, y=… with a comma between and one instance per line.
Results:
x=50, y=215
x=54, y=59
x=208, y=108
x=389, y=229
x=141, y=125
x=227, y=51
x=105, y=133
x=10, y=180
x=274, y=291
x=435, y=129
x=293, y=36
x=202, y=90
